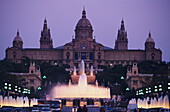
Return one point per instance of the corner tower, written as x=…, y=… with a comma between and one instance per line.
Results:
x=122, y=41
x=83, y=28
x=45, y=39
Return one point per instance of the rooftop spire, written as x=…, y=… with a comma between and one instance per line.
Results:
x=149, y=33
x=122, y=25
x=45, y=21
x=84, y=13
x=45, y=24
x=17, y=32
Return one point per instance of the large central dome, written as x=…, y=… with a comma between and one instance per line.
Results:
x=83, y=22
x=83, y=28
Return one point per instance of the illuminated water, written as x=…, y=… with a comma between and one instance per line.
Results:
x=81, y=90
x=18, y=102
x=161, y=102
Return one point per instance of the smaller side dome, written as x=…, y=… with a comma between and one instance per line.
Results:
x=17, y=42
x=17, y=38
x=149, y=44
x=150, y=39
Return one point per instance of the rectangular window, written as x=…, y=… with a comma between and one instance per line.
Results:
x=135, y=82
x=91, y=56
x=83, y=55
x=32, y=81
x=76, y=56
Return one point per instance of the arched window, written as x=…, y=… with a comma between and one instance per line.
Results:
x=83, y=55
x=129, y=69
x=83, y=47
x=14, y=54
x=76, y=56
x=32, y=89
x=32, y=71
x=153, y=56
x=91, y=56
x=68, y=55
x=99, y=55
x=134, y=72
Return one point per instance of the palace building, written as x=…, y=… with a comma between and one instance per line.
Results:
x=83, y=46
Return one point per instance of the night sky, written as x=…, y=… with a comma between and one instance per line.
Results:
x=139, y=16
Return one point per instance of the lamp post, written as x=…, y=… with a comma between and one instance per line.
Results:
x=137, y=93
x=6, y=86
x=168, y=86
x=156, y=89
x=160, y=88
x=9, y=87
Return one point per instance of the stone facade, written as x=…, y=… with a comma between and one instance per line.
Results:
x=33, y=78
x=135, y=79
x=84, y=46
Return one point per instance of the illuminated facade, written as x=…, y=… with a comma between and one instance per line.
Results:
x=83, y=46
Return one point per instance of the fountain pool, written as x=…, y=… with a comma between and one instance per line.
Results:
x=81, y=90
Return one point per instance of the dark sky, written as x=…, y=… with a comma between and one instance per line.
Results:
x=140, y=16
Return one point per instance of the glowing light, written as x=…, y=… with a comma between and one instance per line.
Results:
x=6, y=84
x=127, y=89
x=55, y=63
x=122, y=78
x=5, y=87
x=9, y=88
x=137, y=93
x=39, y=88
x=160, y=89
x=44, y=77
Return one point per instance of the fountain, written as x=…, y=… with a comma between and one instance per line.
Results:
x=162, y=102
x=74, y=72
x=80, y=90
x=17, y=102
x=91, y=70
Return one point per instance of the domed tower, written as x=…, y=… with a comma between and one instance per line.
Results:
x=149, y=44
x=45, y=40
x=122, y=41
x=83, y=28
x=17, y=42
